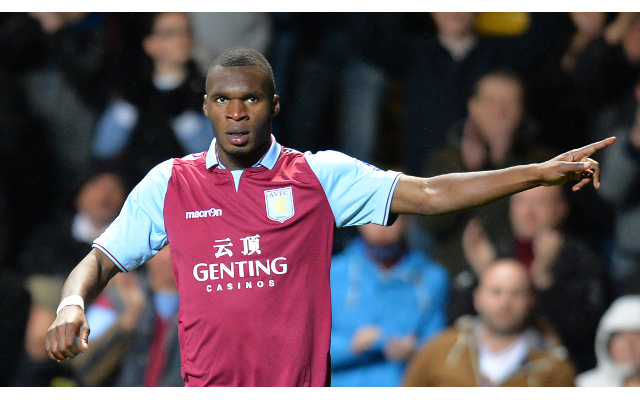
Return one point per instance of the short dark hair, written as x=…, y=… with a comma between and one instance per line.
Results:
x=242, y=56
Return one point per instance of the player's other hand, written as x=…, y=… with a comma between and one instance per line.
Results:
x=61, y=342
x=573, y=165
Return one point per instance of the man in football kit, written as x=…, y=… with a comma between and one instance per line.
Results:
x=251, y=226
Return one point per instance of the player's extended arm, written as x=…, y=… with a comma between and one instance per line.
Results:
x=87, y=280
x=460, y=191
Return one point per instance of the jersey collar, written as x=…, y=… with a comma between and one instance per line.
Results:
x=268, y=160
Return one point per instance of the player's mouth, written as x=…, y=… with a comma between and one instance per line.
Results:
x=238, y=138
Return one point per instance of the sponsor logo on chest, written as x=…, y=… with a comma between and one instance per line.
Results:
x=229, y=272
x=212, y=212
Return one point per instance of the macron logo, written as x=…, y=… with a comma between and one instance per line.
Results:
x=212, y=212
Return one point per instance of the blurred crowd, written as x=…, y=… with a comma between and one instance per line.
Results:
x=539, y=289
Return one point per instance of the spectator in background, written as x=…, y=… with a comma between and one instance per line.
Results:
x=339, y=83
x=621, y=169
x=438, y=79
x=52, y=248
x=503, y=346
x=135, y=330
x=53, y=73
x=617, y=345
x=496, y=134
x=586, y=70
x=387, y=300
x=214, y=32
x=65, y=76
x=570, y=280
x=114, y=315
x=154, y=356
x=631, y=42
x=50, y=255
x=161, y=107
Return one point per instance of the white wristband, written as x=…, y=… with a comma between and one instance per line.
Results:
x=73, y=300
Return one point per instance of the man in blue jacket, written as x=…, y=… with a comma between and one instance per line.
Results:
x=387, y=299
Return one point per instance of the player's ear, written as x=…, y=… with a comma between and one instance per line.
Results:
x=204, y=105
x=276, y=105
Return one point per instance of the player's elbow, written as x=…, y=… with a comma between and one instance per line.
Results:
x=416, y=196
x=431, y=200
x=439, y=197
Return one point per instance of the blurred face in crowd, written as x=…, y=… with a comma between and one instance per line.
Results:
x=240, y=107
x=631, y=44
x=160, y=271
x=101, y=198
x=384, y=235
x=498, y=107
x=170, y=41
x=454, y=24
x=589, y=23
x=537, y=209
x=54, y=21
x=624, y=348
x=503, y=299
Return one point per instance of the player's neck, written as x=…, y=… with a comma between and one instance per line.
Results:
x=241, y=161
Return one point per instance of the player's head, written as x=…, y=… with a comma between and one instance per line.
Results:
x=504, y=298
x=240, y=103
x=242, y=56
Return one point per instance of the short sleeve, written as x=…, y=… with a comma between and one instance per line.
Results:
x=138, y=233
x=358, y=193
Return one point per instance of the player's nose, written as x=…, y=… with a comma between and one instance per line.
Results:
x=236, y=110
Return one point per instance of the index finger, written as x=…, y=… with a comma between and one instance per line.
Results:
x=589, y=149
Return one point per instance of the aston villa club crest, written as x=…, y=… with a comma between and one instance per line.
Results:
x=279, y=204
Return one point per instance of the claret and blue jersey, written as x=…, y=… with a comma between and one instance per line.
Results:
x=251, y=252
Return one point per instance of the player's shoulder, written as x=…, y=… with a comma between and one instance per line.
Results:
x=332, y=160
x=290, y=157
x=289, y=152
x=194, y=159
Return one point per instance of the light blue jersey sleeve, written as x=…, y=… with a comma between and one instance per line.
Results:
x=138, y=233
x=358, y=193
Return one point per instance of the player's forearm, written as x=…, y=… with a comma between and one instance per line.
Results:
x=90, y=277
x=450, y=193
